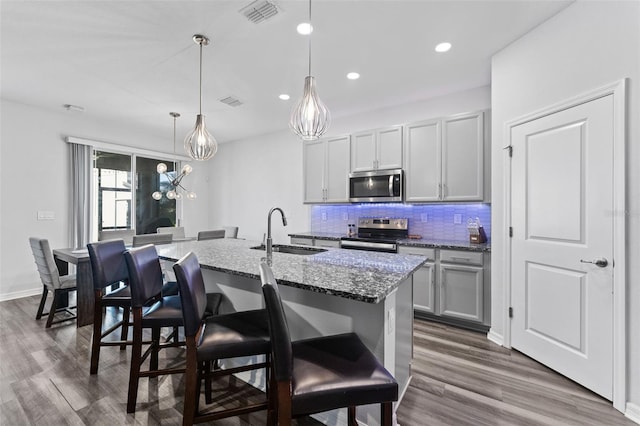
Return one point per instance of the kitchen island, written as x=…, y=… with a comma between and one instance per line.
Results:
x=334, y=291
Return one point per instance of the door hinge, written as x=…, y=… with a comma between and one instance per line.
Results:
x=510, y=312
x=510, y=231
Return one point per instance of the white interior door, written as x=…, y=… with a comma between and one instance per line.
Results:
x=562, y=246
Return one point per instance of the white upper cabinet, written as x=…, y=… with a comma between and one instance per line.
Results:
x=377, y=149
x=314, y=169
x=463, y=157
x=326, y=170
x=444, y=159
x=422, y=147
x=337, y=166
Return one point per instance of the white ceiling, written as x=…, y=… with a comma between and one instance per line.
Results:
x=133, y=62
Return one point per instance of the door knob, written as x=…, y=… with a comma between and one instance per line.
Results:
x=601, y=262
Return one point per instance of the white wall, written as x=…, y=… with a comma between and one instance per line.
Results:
x=34, y=175
x=250, y=176
x=587, y=45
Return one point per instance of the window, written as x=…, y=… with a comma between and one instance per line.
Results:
x=125, y=203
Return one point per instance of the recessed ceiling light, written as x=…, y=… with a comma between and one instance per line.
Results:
x=353, y=76
x=443, y=47
x=304, y=28
x=284, y=97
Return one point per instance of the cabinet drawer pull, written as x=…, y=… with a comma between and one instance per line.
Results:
x=464, y=259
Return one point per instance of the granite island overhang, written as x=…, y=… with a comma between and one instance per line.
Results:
x=336, y=291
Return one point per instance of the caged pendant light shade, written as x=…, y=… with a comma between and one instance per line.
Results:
x=199, y=143
x=310, y=118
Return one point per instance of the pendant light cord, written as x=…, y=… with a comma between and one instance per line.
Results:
x=201, y=76
x=311, y=27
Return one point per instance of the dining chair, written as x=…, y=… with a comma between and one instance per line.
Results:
x=322, y=373
x=141, y=240
x=116, y=234
x=211, y=235
x=109, y=271
x=238, y=334
x=150, y=310
x=230, y=231
x=61, y=286
x=176, y=231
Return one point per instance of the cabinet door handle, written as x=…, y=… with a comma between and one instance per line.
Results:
x=440, y=191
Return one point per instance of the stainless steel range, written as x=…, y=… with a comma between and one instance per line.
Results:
x=378, y=234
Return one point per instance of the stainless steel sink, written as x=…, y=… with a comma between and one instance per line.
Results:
x=280, y=248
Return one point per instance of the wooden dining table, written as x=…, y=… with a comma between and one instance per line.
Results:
x=84, y=280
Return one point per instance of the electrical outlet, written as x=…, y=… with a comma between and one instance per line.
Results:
x=324, y=216
x=424, y=218
x=391, y=320
x=345, y=216
x=457, y=219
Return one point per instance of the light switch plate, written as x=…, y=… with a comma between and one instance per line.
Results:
x=457, y=218
x=345, y=216
x=46, y=215
x=424, y=218
x=324, y=215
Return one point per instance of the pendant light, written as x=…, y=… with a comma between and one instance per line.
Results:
x=199, y=144
x=310, y=118
x=175, y=183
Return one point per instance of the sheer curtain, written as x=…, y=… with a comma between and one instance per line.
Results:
x=81, y=171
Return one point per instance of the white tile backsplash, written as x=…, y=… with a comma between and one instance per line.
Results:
x=429, y=220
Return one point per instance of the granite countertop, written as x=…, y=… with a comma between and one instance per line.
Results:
x=445, y=244
x=423, y=242
x=353, y=274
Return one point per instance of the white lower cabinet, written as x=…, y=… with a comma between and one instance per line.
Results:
x=424, y=279
x=461, y=292
x=302, y=241
x=450, y=286
x=326, y=243
x=310, y=241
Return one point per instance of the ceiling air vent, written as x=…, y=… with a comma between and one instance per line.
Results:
x=259, y=11
x=231, y=101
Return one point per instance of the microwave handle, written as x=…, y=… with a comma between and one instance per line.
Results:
x=391, y=185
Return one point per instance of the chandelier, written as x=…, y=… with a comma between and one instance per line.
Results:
x=174, y=193
x=175, y=183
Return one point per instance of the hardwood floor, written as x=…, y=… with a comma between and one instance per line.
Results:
x=459, y=378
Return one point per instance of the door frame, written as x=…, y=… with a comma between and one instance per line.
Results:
x=618, y=90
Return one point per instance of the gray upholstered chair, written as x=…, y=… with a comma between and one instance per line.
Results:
x=230, y=231
x=155, y=239
x=117, y=234
x=176, y=231
x=51, y=281
x=211, y=235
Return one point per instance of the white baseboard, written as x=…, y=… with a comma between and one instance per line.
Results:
x=20, y=294
x=632, y=412
x=496, y=338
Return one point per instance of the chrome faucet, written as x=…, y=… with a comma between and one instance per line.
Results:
x=269, y=239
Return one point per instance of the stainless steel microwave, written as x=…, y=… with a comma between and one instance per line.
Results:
x=376, y=186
